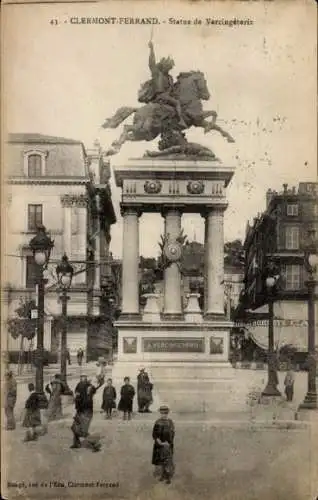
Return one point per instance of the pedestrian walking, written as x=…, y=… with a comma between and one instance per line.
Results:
x=10, y=399
x=55, y=389
x=109, y=398
x=163, y=448
x=80, y=355
x=127, y=394
x=84, y=393
x=289, y=383
x=32, y=417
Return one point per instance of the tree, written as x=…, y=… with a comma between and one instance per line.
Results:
x=22, y=325
x=234, y=253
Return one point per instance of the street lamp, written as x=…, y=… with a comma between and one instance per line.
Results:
x=64, y=272
x=311, y=263
x=41, y=246
x=271, y=387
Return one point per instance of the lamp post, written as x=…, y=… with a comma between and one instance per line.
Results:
x=311, y=263
x=64, y=272
x=41, y=246
x=271, y=387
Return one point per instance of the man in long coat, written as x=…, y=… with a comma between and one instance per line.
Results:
x=144, y=391
x=84, y=393
x=163, y=448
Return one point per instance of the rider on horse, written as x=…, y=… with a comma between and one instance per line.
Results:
x=160, y=87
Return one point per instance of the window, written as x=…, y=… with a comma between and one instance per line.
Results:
x=32, y=270
x=315, y=210
x=292, y=277
x=292, y=209
x=34, y=165
x=35, y=217
x=292, y=237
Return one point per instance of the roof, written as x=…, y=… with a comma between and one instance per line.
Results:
x=40, y=139
x=64, y=158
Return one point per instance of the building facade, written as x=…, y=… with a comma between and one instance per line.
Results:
x=278, y=237
x=50, y=181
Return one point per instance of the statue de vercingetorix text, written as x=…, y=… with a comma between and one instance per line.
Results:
x=169, y=109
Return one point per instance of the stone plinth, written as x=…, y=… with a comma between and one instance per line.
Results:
x=177, y=344
x=165, y=343
x=192, y=313
x=151, y=313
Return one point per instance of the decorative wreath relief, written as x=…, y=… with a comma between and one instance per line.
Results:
x=195, y=187
x=152, y=187
x=171, y=249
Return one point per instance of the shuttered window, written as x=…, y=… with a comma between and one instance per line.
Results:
x=292, y=237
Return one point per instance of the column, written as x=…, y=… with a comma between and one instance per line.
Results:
x=130, y=270
x=172, y=274
x=67, y=225
x=214, y=263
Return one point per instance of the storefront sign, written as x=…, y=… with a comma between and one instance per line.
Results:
x=173, y=344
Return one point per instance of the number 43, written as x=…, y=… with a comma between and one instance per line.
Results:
x=54, y=22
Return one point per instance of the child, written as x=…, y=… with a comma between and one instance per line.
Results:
x=109, y=398
x=163, y=435
x=32, y=417
x=127, y=394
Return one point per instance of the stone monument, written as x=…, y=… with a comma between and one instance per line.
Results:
x=181, y=177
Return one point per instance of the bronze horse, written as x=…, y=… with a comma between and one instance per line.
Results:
x=155, y=118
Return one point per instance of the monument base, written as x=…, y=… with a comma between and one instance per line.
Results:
x=187, y=363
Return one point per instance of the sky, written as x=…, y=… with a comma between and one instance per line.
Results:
x=64, y=79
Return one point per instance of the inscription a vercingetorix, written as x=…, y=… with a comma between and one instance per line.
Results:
x=173, y=344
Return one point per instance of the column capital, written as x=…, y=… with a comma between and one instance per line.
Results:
x=214, y=210
x=168, y=209
x=131, y=210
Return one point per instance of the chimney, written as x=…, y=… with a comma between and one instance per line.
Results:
x=285, y=186
x=269, y=196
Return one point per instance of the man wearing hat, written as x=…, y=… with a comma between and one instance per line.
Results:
x=144, y=391
x=163, y=435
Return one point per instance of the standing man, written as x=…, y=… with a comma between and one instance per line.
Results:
x=84, y=393
x=80, y=355
x=10, y=398
x=144, y=391
x=163, y=435
x=289, y=383
x=68, y=356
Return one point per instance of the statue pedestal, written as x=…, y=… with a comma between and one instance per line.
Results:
x=151, y=312
x=175, y=347
x=192, y=313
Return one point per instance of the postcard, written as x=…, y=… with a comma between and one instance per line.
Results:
x=159, y=250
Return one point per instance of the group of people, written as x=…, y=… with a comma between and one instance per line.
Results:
x=163, y=430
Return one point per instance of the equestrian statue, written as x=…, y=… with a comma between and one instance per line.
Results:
x=169, y=109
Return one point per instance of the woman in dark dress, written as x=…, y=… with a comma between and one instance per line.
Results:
x=32, y=417
x=127, y=394
x=163, y=435
x=109, y=398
